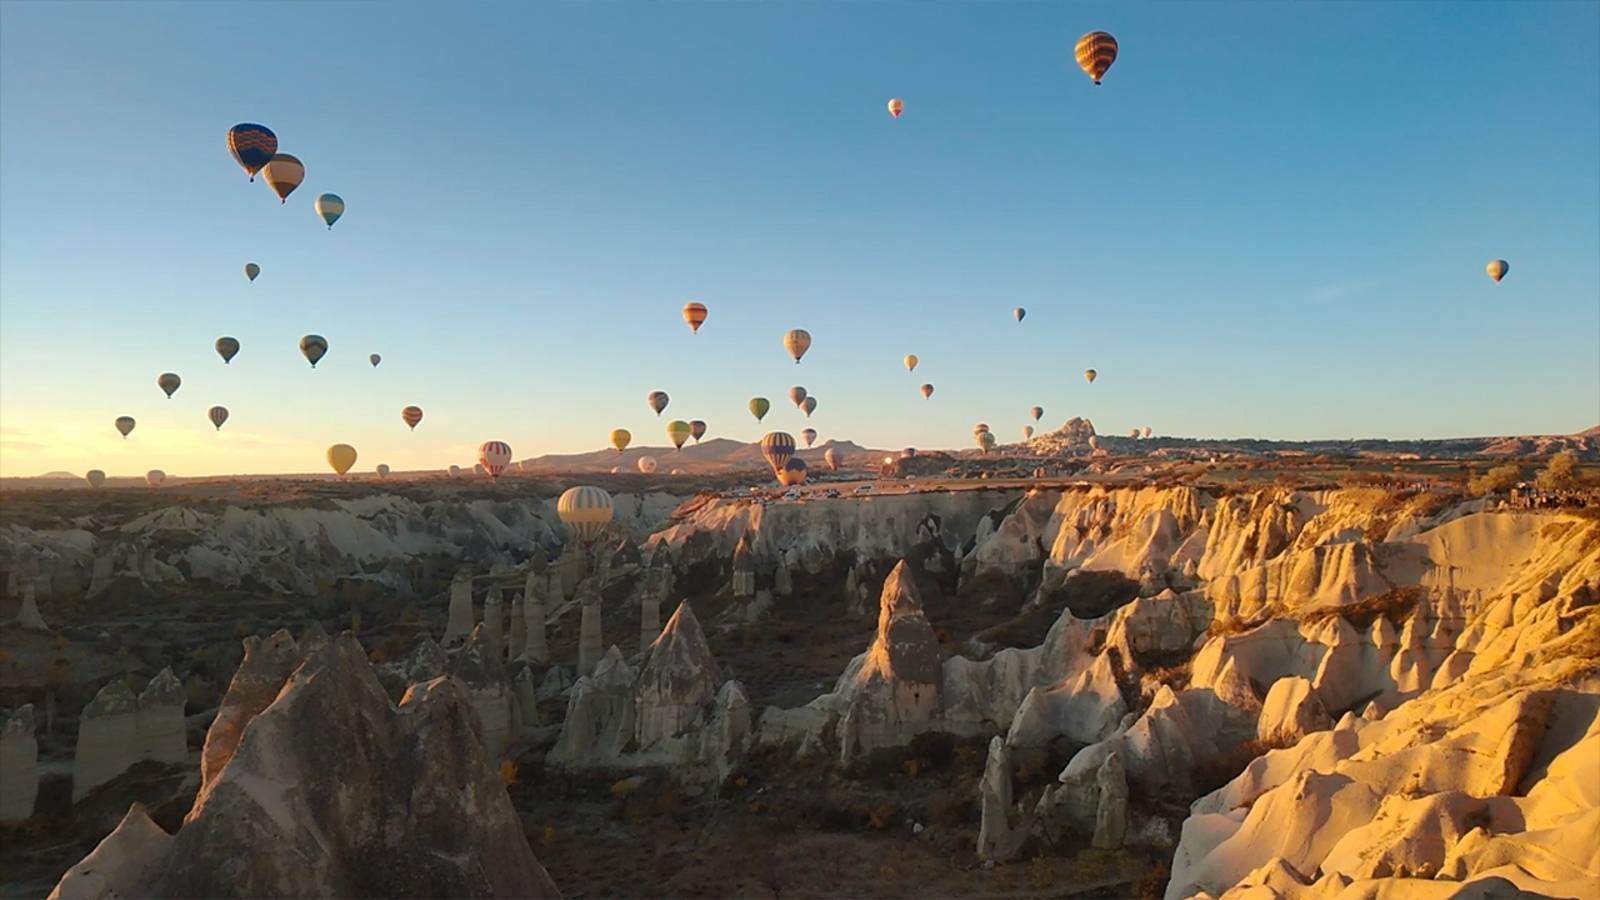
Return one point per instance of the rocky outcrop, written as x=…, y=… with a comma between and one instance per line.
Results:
x=460, y=621
x=19, y=766
x=385, y=801
x=28, y=616
x=118, y=729
x=1290, y=712
x=743, y=583
x=590, y=643
x=893, y=694
x=535, y=650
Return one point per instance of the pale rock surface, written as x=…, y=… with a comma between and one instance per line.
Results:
x=1290, y=712
x=519, y=628
x=480, y=670
x=386, y=801
x=678, y=679
x=19, y=766
x=460, y=620
x=556, y=682
x=494, y=620
x=118, y=729
x=894, y=695
x=599, y=720
x=994, y=799
x=28, y=616
x=590, y=643
x=743, y=582
x=1111, y=812
x=536, y=650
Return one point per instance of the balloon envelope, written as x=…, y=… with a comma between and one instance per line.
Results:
x=809, y=405
x=678, y=432
x=330, y=207
x=697, y=429
x=657, y=400
x=908, y=453
x=793, y=472
x=455, y=471
x=341, y=457
x=283, y=173
x=251, y=270
x=797, y=342
x=896, y=107
x=125, y=424
x=647, y=464
x=1090, y=375
x=169, y=382
x=154, y=477
x=1037, y=412
x=1096, y=51
x=1497, y=269
x=586, y=510
x=1145, y=431
x=252, y=146
x=383, y=470
x=694, y=315
x=1019, y=313
x=313, y=347
x=776, y=448
x=620, y=438
x=217, y=415
x=411, y=415
x=927, y=390
x=759, y=407
x=374, y=359
x=95, y=477
x=911, y=362
x=797, y=395
x=227, y=348
x=1027, y=432
x=809, y=436
x=494, y=456
x=833, y=458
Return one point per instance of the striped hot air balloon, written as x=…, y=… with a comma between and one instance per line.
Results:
x=585, y=509
x=908, y=453
x=494, y=456
x=694, y=315
x=1096, y=51
x=411, y=415
x=697, y=429
x=313, y=347
x=330, y=207
x=217, y=415
x=227, y=348
x=252, y=146
x=621, y=438
x=797, y=341
x=657, y=400
x=833, y=458
x=776, y=448
x=169, y=382
x=678, y=432
x=283, y=173
x=125, y=425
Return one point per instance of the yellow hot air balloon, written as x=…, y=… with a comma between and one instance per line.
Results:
x=1497, y=269
x=911, y=362
x=797, y=342
x=1096, y=51
x=620, y=438
x=759, y=407
x=678, y=432
x=694, y=315
x=341, y=457
x=896, y=107
x=283, y=173
x=169, y=382
x=586, y=510
x=1090, y=375
x=1027, y=432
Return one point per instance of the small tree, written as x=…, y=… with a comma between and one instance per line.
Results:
x=1561, y=474
x=1497, y=480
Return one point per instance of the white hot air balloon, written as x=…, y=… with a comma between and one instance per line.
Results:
x=647, y=464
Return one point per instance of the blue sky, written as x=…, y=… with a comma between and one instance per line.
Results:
x=1271, y=220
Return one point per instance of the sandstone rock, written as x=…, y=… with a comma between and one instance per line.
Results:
x=590, y=644
x=494, y=619
x=121, y=865
x=895, y=693
x=263, y=670
x=19, y=766
x=743, y=584
x=1291, y=711
x=599, y=723
x=994, y=799
x=519, y=628
x=557, y=681
x=678, y=679
x=1111, y=813
x=461, y=620
x=118, y=729
x=535, y=651
x=28, y=616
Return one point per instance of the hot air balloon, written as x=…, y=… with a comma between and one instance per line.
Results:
x=95, y=477
x=797, y=395
x=927, y=391
x=125, y=424
x=809, y=405
x=793, y=472
x=585, y=510
x=986, y=440
x=1096, y=51
x=411, y=415
x=383, y=470
x=227, y=348
x=217, y=415
x=694, y=315
x=896, y=107
x=313, y=347
x=833, y=458
x=759, y=407
x=620, y=438
x=455, y=471
x=251, y=270
x=911, y=362
x=341, y=457
x=374, y=359
x=1145, y=432
x=1497, y=269
x=330, y=207
x=283, y=173
x=647, y=464
x=980, y=428
x=697, y=429
x=809, y=436
x=678, y=433
x=1019, y=313
x=1027, y=432
x=1037, y=412
x=797, y=342
x=154, y=477
x=252, y=146
x=494, y=456
x=169, y=382
x=908, y=453
x=1134, y=433
x=657, y=401
x=1090, y=375
x=776, y=448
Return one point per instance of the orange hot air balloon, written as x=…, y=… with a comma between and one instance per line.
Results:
x=694, y=314
x=927, y=390
x=797, y=341
x=283, y=173
x=1096, y=51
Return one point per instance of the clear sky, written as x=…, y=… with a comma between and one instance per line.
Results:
x=1271, y=220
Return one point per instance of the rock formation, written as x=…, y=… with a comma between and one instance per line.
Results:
x=118, y=729
x=536, y=651
x=385, y=801
x=460, y=621
x=895, y=692
x=743, y=583
x=519, y=628
x=494, y=620
x=19, y=766
x=28, y=615
x=590, y=643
